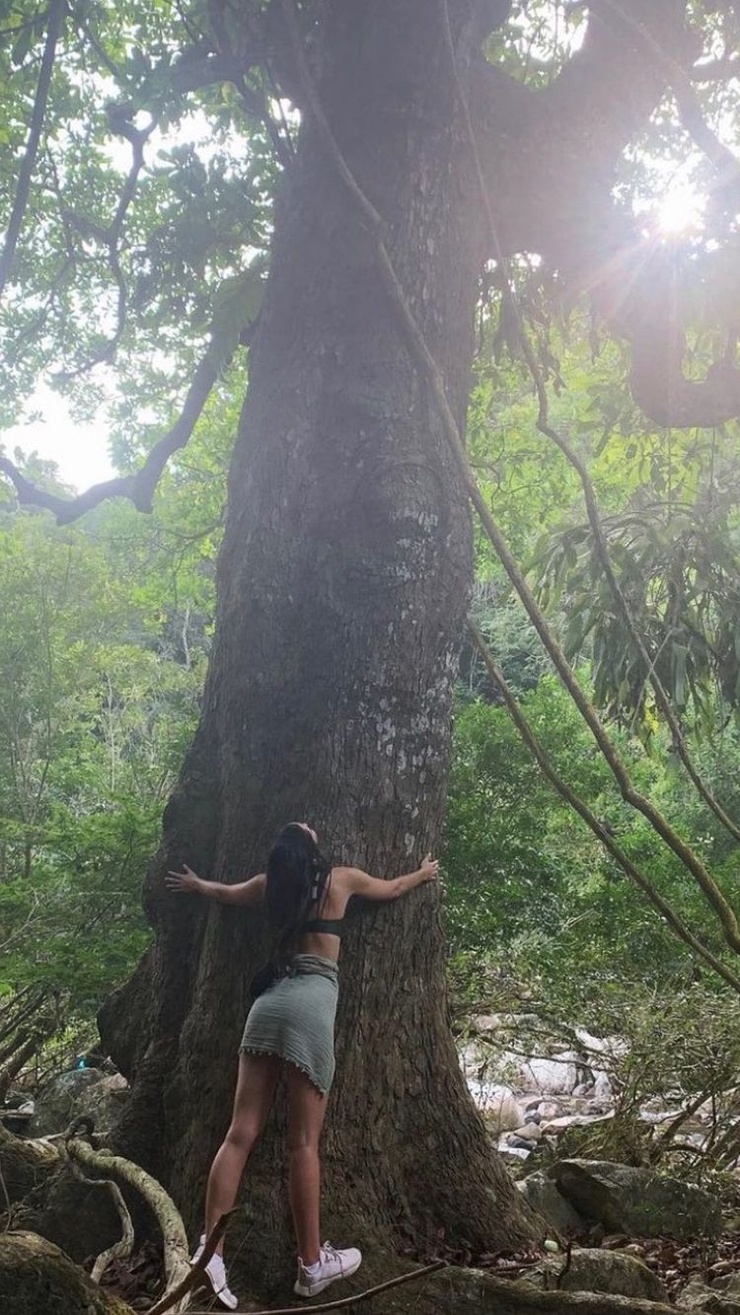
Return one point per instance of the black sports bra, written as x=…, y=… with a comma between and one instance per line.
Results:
x=329, y=926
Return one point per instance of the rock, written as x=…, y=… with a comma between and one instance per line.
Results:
x=530, y=1132
x=513, y=1153
x=638, y=1202
x=519, y=1143
x=695, y=1140
x=488, y=1022
x=727, y=1283
x=17, y=1118
x=500, y=1109
x=80, y=1091
x=104, y=1101
x=548, y=1109
x=612, y=1047
x=697, y=1296
x=583, y=1089
x=78, y=1216
x=575, y=1121
x=555, y=1076
x=598, y=1271
x=656, y=1117
x=603, y=1089
x=37, y=1277
x=542, y=1194
x=56, y=1102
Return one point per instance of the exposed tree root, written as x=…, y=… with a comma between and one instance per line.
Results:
x=176, y=1252
x=122, y=1249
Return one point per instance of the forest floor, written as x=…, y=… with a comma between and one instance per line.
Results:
x=140, y=1280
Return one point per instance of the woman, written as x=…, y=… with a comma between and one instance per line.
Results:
x=290, y=1027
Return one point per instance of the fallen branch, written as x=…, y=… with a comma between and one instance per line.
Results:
x=344, y=1302
x=195, y=1271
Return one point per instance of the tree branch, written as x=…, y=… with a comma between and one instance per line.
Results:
x=140, y=487
x=717, y=70
x=119, y=121
x=549, y=161
x=57, y=10
x=594, y=823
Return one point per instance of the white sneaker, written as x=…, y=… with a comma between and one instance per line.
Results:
x=332, y=1264
x=215, y=1274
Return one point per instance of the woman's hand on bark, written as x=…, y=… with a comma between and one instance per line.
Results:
x=430, y=868
x=183, y=883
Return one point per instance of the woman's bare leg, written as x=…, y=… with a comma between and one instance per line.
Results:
x=306, y=1110
x=255, y=1092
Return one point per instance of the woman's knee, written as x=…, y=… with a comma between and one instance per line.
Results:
x=303, y=1141
x=242, y=1136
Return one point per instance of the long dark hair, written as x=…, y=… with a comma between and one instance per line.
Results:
x=297, y=873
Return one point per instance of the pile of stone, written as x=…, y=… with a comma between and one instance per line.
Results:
x=525, y=1098
x=77, y=1092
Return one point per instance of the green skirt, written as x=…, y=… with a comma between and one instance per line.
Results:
x=294, y=1019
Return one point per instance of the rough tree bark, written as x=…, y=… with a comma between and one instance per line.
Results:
x=343, y=587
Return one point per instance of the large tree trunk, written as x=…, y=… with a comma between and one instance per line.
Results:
x=343, y=587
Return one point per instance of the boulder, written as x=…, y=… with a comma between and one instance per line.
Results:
x=80, y=1091
x=575, y=1121
x=555, y=1076
x=542, y=1194
x=79, y=1216
x=104, y=1101
x=583, y=1089
x=547, y=1109
x=592, y=1270
x=513, y=1153
x=727, y=1283
x=612, y=1047
x=697, y=1296
x=36, y=1277
x=638, y=1202
x=530, y=1132
x=603, y=1089
x=500, y=1109
x=516, y=1143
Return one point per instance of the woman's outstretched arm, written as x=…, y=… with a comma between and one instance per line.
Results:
x=376, y=888
x=188, y=882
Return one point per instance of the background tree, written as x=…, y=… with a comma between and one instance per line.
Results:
x=346, y=564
